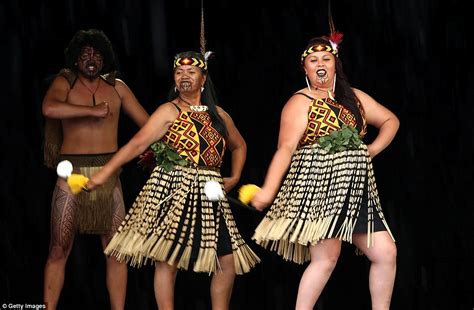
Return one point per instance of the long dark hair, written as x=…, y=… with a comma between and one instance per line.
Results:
x=344, y=93
x=208, y=95
x=95, y=38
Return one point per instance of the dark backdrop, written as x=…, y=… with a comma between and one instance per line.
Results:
x=414, y=57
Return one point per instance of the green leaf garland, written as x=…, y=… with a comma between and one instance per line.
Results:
x=166, y=157
x=346, y=138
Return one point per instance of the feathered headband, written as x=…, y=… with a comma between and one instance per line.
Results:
x=335, y=38
x=192, y=60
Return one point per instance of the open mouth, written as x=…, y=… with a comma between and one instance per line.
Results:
x=91, y=66
x=185, y=85
x=321, y=73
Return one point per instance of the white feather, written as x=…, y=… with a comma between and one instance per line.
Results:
x=207, y=55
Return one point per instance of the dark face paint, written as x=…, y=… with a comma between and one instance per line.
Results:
x=90, y=62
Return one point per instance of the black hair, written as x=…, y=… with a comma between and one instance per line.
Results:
x=344, y=93
x=95, y=38
x=208, y=95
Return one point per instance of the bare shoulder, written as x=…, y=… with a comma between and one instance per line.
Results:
x=122, y=89
x=120, y=82
x=375, y=113
x=303, y=91
x=167, y=110
x=365, y=99
x=120, y=85
x=363, y=96
x=222, y=113
x=58, y=89
x=60, y=81
x=168, y=105
x=297, y=102
x=220, y=110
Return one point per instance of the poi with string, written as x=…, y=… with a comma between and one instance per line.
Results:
x=76, y=182
x=214, y=192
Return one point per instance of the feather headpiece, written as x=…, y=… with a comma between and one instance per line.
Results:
x=193, y=61
x=334, y=38
x=205, y=54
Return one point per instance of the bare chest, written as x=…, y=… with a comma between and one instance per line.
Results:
x=81, y=95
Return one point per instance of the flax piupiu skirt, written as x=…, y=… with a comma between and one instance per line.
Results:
x=173, y=221
x=323, y=196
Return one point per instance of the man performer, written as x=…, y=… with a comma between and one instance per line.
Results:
x=82, y=107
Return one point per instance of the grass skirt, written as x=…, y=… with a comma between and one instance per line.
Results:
x=172, y=221
x=321, y=198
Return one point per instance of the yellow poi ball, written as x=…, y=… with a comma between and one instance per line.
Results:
x=247, y=192
x=77, y=182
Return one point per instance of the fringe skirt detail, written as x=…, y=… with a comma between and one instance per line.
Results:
x=321, y=198
x=172, y=221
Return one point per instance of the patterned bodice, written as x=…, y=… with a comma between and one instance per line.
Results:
x=325, y=116
x=194, y=139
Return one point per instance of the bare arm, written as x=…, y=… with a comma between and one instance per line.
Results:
x=238, y=148
x=292, y=126
x=55, y=104
x=130, y=104
x=380, y=117
x=154, y=129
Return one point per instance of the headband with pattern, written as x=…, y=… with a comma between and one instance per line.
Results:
x=319, y=48
x=334, y=39
x=191, y=61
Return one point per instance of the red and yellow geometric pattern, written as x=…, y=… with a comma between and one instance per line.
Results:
x=318, y=48
x=190, y=61
x=194, y=139
x=325, y=116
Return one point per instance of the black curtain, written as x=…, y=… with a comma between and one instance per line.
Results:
x=414, y=57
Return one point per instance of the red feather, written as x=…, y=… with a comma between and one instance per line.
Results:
x=336, y=37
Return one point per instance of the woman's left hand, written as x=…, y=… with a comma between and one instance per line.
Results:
x=262, y=199
x=371, y=150
x=230, y=183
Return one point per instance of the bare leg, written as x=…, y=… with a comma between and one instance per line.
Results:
x=116, y=277
x=222, y=283
x=165, y=278
x=383, y=258
x=324, y=257
x=63, y=230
